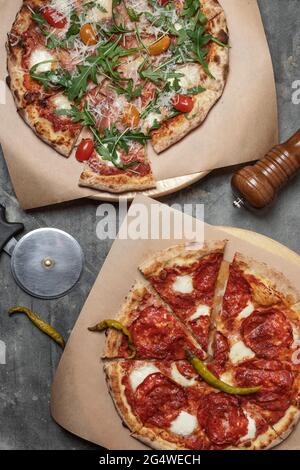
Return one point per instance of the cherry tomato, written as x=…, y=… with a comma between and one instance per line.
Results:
x=183, y=103
x=54, y=17
x=131, y=116
x=160, y=46
x=88, y=35
x=84, y=150
x=162, y=3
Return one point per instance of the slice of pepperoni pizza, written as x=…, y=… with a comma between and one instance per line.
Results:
x=156, y=332
x=258, y=314
x=185, y=277
x=167, y=406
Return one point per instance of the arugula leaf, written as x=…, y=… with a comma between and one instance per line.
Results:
x=84, y=117
x=94, y=4
x=194, y=90
x=158, y=76
x=129, y=90
x=58, y=78
x=192, y=8
x=133, y=15
x=151, y=107
x=38, y=18
x=74, y=28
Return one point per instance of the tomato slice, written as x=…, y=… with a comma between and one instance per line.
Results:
x=162, y=3
x=54, y=17
x=183, y=103
x=88, y=35
x=160, y=46
x=131, y=115
x=85, y=150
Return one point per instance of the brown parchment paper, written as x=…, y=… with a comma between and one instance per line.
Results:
x=80, y=401
x=241, y=127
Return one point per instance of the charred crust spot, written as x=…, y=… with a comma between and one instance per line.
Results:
x=223, y=36
x=30, y=97
x=8, y=81
x=225, y=72
x=217, y=59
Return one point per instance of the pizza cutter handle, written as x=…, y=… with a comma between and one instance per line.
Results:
x=7, y=229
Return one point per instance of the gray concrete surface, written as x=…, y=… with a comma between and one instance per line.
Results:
x=25, y=380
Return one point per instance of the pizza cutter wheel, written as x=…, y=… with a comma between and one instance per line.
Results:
x=46, y=263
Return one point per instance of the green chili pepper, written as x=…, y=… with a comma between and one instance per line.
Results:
x=212, y=380
x=40, y=324
x=116, y=325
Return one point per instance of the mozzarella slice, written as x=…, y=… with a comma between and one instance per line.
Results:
x=138, y=375
x=227, y=378
x=183, y=284
x=41, y=55
x=202, y=311
x=239, y=352
x=191, y=76
x=246, y=312
x=180, y=379
x=251, y=430
x=61, y=102
x=184, y=424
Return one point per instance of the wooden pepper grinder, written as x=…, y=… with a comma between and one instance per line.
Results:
x=256, y=186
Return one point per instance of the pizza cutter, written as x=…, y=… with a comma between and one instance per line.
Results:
x=46, y=263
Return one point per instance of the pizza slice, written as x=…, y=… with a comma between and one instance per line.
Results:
x=185, y=277
x=57, y=130
x=167, y=406
x=199, y=89
x=258, y=314
x=155, y=332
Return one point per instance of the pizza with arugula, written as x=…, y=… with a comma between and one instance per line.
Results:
x=109, y=76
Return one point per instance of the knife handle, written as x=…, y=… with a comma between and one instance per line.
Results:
x=7, y=229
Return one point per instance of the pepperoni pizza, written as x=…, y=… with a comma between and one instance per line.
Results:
x=240, y=319
x=124, y=71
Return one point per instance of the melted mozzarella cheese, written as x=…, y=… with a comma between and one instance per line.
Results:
x=138, y=375
x=202, y=311
x=184, y=424
x=190, y=77
x=239, y=352
x=61, y=102
x=183, y=284
x=108, y=162
x=180, y=379
x=41, y=55
x=246, y=312
x=150, y=120
x=251, y=430
x=227, y=378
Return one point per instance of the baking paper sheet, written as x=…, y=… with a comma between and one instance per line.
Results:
x=241, y=127
x=80, y=400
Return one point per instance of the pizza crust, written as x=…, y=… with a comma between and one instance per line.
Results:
x=62, y=141
x=114, y=375
x=270, y=276
x=114, y=338
x=116, y=183
x=187, y=253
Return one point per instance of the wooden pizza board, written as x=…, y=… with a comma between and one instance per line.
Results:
x=163, y=188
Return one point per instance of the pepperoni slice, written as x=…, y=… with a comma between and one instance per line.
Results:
x=186, y=369
x=276, y=382
x=159, y=400
x=221, y=353
x=222, y=418
x=267, y=332
x=157, y=334
x=237, y=295
x=200, y=328
x=206, y=275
